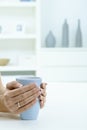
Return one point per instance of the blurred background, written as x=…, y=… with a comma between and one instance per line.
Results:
x=44, y=38
x=54, y=14
x=48, y=38
x=64, y=40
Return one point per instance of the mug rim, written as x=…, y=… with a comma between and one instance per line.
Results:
x=28, y=78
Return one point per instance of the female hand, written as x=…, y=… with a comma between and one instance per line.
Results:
x=42, y=97
x=17, y=99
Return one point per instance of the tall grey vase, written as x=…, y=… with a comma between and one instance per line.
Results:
x=78, y=40
x=65, y=34
x=50, y=40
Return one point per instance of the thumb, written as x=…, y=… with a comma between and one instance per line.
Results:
x=13, y=85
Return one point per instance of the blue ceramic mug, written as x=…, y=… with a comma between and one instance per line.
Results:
x=31, y=113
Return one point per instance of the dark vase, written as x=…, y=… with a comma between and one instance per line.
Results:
x=50, y=40
x=65, y=34
x=78, y=39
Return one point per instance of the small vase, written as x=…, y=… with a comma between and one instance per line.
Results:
x=65, y=34
x=50, y=40
x=78, y=35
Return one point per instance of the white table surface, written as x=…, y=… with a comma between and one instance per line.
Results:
x=65, y=109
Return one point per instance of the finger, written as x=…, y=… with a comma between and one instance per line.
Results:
x=29, y=99
x=27, y=106
x=21, y=90
x=14, y=107
x=26, y=95
x=43, y=85
x=43, y=92
x=41, y=104
x=41, y=98
x=13, y=85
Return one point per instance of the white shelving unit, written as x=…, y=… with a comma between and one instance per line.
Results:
x=15, y=36
x=18, y=4
x=20, y=36
x=63, y=64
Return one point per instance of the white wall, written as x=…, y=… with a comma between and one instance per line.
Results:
x=55, y=11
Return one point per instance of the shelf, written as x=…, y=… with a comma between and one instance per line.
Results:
x=18, y=4
x=18, y=36
x=71, y=49
x=17, y=68
x=15, y=43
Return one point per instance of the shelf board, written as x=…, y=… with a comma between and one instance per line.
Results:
x=18, y=4
x=60, y=49
x=17, y=68
x=18, y=36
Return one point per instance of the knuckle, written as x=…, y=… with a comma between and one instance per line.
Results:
x=35, y=95
x=34, y=90
x=23, y=103
x=22, y=96
x=21, y=90
x=41, y=98
x=34, y=85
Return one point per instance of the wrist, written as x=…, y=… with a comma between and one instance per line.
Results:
x=3, y=108
x=2, y=104
x=2, y=91
x=2, y=88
